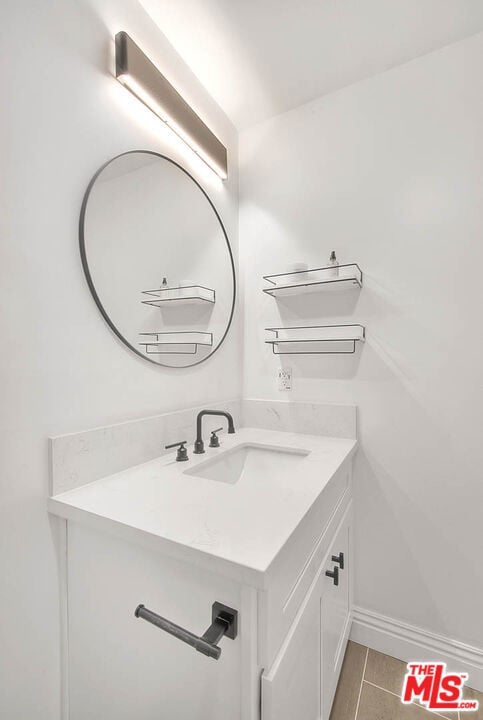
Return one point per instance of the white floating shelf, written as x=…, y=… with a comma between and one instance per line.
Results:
x=175, y=343
x=342, y=277
x=187, y=295
x=316, y=339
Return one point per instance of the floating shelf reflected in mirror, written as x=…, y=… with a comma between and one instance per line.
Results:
x=316, y=339
x=175, y=343
x=187, y=295
x=343, y=277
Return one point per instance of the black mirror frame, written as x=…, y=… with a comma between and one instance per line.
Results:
x=90, y=283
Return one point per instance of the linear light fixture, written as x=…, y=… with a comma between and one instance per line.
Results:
x=136, y=72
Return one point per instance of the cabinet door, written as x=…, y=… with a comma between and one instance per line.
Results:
x=291, y=689
x=335, y=615
x=302, y=680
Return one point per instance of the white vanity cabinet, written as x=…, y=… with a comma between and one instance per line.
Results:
x=293, y=620
x=302, y=680
x=121, y=667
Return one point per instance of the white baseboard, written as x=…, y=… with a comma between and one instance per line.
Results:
x=407, y=642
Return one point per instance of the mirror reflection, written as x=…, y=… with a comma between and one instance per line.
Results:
x=157, y=259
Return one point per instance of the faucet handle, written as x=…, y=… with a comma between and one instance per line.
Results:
x=182, y=453
x=214, y=439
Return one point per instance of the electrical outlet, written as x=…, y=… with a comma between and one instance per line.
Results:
x=285, y=378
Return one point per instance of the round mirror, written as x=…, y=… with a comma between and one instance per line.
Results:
x=157, y=259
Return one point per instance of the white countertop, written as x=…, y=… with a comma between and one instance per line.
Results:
x=239, y=528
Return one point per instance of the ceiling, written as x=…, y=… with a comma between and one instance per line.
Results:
x=259, y=58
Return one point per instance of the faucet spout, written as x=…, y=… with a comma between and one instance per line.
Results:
x=199, y=447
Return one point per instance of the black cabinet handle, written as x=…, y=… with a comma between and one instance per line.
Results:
x=334, y=574
x=339, y=559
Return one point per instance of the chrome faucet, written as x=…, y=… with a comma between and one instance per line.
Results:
x=199, y=444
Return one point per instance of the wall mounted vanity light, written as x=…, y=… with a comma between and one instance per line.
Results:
x=137, y=73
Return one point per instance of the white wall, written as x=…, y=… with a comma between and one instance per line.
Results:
x=62, y=370
x=388, y=172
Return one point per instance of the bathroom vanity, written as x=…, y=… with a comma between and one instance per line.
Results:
x=262, y=524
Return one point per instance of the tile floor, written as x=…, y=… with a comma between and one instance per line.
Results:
x=370, y=689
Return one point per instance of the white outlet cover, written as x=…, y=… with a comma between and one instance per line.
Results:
x=284, y=378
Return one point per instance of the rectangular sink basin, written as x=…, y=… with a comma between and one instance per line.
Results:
x=250, y=459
